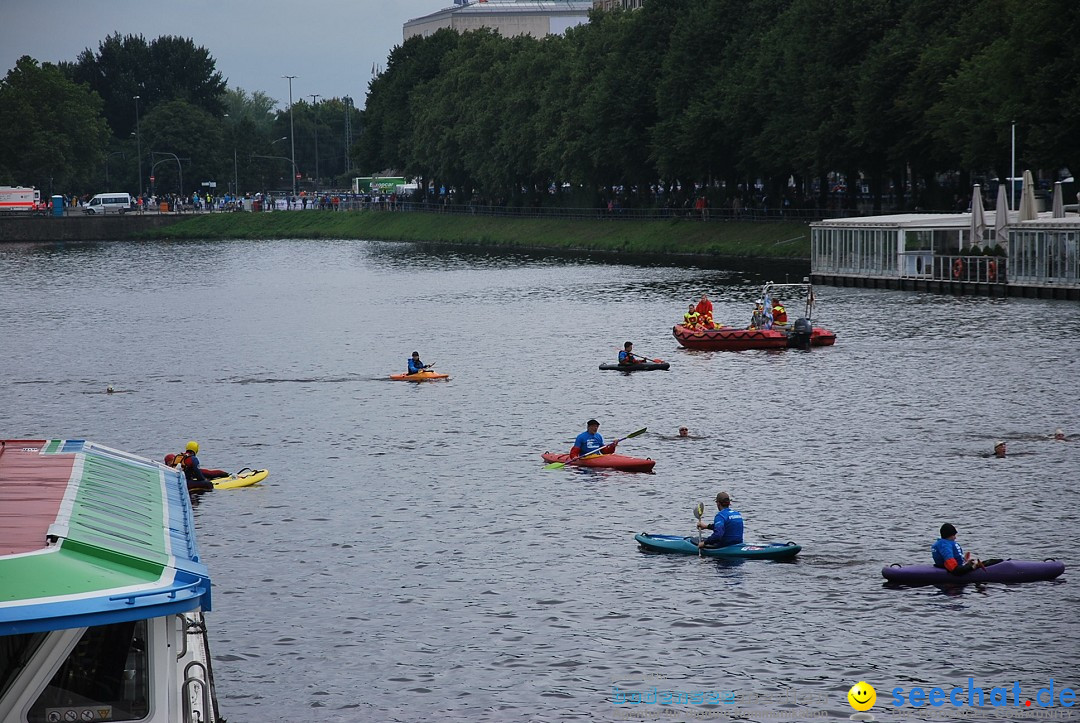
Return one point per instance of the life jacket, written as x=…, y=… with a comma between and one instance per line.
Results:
x=691, y=319
x=779, y=314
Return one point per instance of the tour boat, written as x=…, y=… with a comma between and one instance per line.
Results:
x=801, y=334
x=103, y=593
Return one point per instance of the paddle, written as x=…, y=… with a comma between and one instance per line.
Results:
x=698, y=512
x=646, y=359
x=558, y=465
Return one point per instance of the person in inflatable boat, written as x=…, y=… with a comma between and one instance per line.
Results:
x=949, y=556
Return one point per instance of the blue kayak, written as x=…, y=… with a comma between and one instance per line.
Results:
x=688, y=546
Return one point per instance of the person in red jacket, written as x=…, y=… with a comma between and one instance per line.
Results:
x=779, y=313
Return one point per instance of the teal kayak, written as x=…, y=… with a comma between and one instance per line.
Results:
x=688, y=546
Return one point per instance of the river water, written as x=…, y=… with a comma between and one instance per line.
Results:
x=409, y=558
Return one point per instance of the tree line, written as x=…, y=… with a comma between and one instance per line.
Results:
x=88, y=125
x=905, y=100
x=914, y=98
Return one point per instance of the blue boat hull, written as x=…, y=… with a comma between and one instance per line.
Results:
x=688, y=546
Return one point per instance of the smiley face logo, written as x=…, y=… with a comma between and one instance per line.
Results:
x=862, y=696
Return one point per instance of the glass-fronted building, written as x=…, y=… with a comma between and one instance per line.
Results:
x=939, y=252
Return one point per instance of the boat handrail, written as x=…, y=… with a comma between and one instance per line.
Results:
x=183, y=636
x=193, y=587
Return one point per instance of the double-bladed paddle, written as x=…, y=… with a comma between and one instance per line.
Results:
x=645, y=359
x=558, y=465
x=698, y=512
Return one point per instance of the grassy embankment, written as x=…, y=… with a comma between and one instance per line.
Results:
x=674, y=236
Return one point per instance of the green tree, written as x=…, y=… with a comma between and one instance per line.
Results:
x=55, y=135
x=387, y=123
x=165, y=69
x=193, y=136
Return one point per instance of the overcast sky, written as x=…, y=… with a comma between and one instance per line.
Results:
x=330, y=45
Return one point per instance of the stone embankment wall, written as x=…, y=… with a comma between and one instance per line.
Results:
x=79, y=227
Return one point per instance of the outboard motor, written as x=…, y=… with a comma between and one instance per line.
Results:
x=799, y=336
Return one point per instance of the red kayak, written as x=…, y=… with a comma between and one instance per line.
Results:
x=611, y=461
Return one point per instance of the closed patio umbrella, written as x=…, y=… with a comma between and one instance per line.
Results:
x=1059, y=201
x=1027, y=199
x=978, y=218
x=1001, y=217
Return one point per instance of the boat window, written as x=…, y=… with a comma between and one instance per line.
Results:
x=15, y=653
x=105, y=677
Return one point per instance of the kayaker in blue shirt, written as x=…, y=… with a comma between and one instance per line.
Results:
x=415, y=365
x=949, y=556
x=727, y=526
x=627, y=356
x=590, y=441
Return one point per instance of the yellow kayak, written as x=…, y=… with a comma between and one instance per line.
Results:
x=243, y=478
x=423, y=376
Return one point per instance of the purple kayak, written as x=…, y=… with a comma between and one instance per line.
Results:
x=1004, y=571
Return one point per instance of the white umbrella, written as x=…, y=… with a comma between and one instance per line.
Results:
x=1001, y=217
x=1059, y=201
x=978, y=218
x=1027, y=199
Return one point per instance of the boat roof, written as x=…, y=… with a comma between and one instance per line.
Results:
x=90, y=535
x=925, y=221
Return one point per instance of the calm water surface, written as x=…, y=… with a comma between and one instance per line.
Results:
x=409, y=558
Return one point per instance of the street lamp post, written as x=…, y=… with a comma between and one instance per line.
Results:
x=138, y=144
x=278, y=158
x=109, y=155
x=315, y=96
x=292, y=133
x=1012, y=181
x=179, y=168
x=236, y=176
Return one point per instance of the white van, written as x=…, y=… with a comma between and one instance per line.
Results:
x=109, y=203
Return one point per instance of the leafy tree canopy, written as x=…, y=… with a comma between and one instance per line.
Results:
x=164, y=69
x=54, y=133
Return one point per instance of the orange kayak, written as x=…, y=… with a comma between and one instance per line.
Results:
x=424, y=376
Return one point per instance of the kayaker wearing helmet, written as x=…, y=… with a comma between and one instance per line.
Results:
x=590, y=441
x=999, y=449
x=189, y=463
x=415, y=365
x=727, y=526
